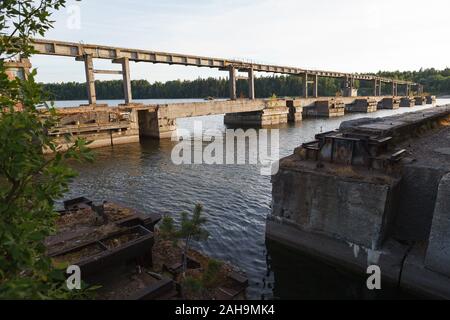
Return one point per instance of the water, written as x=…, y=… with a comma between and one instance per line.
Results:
x=236, y=201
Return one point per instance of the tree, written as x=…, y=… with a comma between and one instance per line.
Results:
x=30, y=181
x=190, y=230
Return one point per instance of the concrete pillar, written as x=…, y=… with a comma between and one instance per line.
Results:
x=420, y=89
x=316, y=86
x=126, y=78
x=407, y=90
x=348, y=86
x=305, y=85
x=394, y=89
x=379, y=88
x=375, y=87
x=251, y=84
x=90, y=80
x=232, y=83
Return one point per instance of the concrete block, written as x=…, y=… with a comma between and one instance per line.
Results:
x=438, y=252
x=407, y=102
x=357, y=210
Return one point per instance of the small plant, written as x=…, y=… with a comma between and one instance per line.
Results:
x=190, y=230
x=210, y=277
x=192, y=285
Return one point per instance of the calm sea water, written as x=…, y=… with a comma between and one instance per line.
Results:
x=236, y=200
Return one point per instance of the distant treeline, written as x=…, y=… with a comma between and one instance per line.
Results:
x=435, y=81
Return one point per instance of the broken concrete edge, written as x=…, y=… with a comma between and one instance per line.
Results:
x=347, y=255
x=398, y=120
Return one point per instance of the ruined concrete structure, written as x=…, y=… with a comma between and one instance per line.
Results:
x=376, y=191
x=87, y=52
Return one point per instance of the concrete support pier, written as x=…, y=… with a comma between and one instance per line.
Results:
x=389, y=103
x=430, y=99
x=90, y=80
x=126, y=79
x=420, y=101
x=326, y=108
x=274, y=112
x=407, y=102
x=363, y=105
x=295, y=110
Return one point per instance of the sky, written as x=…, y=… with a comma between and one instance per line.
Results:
x=344, y=35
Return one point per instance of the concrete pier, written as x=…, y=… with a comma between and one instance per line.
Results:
x=374, y=192
x=420, y=101
x=159, y=121
x=407, y=102
x=430, y=99
x=390, y=103
x=325, y=108
x=102, y=125
x=295, y=110
x=362, y=105
x=274, y=112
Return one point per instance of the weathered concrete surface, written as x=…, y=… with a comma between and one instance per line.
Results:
x=275, y=112
x=402, y=126
x=320, y=206
x=416, y=277
x=101, y=126
x=430, y=99
x=420, y=101
x=344, y=204
x=389, y=103
x=407, y=102
x=325, y=108
x=438, y=252
x=363, y=105
x=338, y=252
x=295, y=110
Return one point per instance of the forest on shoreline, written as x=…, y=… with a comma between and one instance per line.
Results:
x=436, y=82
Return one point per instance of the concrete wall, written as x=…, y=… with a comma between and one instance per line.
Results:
x=438, y=252
x=354, y=209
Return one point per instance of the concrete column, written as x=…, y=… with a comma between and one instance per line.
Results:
x=375, y=87
x=251, y=84
x=348, y=86
x=420, y=89
x=90, y=79
x=232, y=83
x=394, y=89
x=379, y=88
x=305, y=85
x=126, y=79
x=407, y=90
x=316, y=86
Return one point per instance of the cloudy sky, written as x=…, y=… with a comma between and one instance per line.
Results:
x=345, y=35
